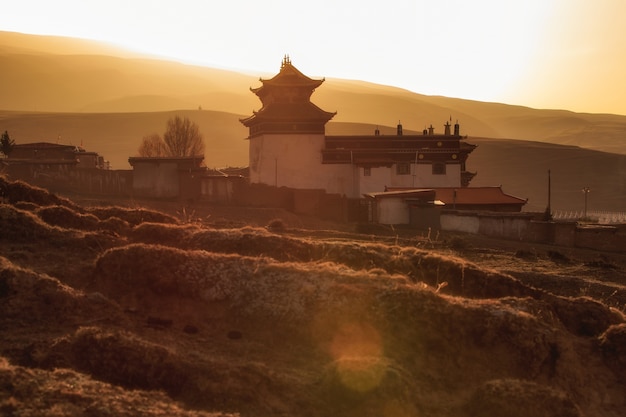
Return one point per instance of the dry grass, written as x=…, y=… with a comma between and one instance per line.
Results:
x=265, y=322
x=460, y=276
x=65, y=393
x=67, y=218
x=519, y=398
x=19, y=191
x=133, y=216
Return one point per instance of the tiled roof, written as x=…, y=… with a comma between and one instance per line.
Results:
x=403, y=193
x=290, y=112
x=470, y=195
x=476, y=195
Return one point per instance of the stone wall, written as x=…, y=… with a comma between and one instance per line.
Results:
x=526, y=227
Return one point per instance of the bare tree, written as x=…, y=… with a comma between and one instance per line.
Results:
x=152, y=146
x=182, y=138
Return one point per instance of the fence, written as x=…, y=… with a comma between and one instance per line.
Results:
x=599, y=217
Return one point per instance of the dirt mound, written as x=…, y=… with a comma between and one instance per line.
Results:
x=269, y=322
x=454, y=274
x=515, y=398
x=613, y=345
x=132, y=216
x=367, y=322
x=249, y=285
x=66, y=393
x=29, y=298
x=126, y=360
x=19, y=191
x=368, y=386
x=23, y=226
x=67, y=218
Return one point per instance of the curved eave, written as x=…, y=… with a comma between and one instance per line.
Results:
x=260, y=118
x=289, y=76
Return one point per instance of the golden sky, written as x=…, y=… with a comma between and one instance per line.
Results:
x=567, y=54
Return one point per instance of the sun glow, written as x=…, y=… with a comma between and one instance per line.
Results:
x=555, y=53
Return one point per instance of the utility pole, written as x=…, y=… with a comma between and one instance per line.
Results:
x=586, y=191
x=549, y=195
x=547, y=216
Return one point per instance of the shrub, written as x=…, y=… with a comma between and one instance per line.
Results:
x=277, y=225
x=558, y=257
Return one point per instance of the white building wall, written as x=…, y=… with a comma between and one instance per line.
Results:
x=455, y=223
x=295, y=161
x=377, y=180
x=393, y=211
x=156, y=179
x=424, y=178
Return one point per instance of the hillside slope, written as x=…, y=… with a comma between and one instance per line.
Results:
x=130, y=311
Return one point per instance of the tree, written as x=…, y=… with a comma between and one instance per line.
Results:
x=6, y=143
x=152, y=146
x=181, y=138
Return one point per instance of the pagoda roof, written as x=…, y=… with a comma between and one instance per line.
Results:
x=290, y=111
x=288, y=76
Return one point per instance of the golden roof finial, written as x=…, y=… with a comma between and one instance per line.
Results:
x=286, y=60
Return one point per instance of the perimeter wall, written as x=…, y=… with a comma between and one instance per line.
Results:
x=528, y=228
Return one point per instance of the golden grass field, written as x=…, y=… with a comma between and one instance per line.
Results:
x=160, y=310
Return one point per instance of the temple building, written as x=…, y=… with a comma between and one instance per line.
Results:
x=289, y=147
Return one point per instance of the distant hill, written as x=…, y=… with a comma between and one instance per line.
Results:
x=52, y=74
x=74, y=91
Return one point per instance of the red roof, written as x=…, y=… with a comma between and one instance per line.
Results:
x=407, y=193
x=472, y=195
x=476, y=195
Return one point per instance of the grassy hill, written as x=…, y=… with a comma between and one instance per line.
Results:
x=110, y=310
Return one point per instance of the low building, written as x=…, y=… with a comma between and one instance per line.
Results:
x=50, y=161
x=418, y=208
x=167, y=177
x=220, y=186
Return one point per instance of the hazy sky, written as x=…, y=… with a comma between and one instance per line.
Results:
x=568, y=54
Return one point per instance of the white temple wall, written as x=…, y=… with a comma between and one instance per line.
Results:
x=295, y=161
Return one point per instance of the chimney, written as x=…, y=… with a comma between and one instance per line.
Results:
x=457, y=129
x=399, y=129
x=447, y=128
x=431, y=130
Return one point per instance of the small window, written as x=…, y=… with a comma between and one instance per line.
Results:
x=403, y=169
x=439, y=168
x=367, y=171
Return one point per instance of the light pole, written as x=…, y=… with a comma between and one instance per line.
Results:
x=586, y=191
